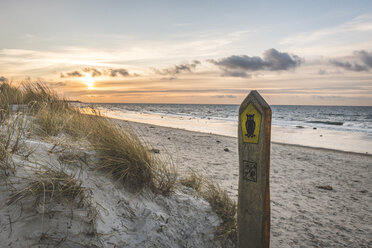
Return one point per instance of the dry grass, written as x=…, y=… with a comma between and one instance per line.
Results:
x=52, y=185
x=123, y=155
x=225, y=208
x=37, y=95
x=11, y=131
x=49, y=184
x=220, y=203
x=165, y=175
x=8, y=95
x=119, y=150
x=193, y=180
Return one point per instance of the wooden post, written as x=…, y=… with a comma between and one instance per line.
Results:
x=254, y=135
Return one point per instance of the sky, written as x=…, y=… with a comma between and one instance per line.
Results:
x=195, y=51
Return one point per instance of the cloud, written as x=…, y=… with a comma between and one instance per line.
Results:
x=93, y=71
x=242, y=74
x=119, y=72
x=349, y=66
x=178, y=69
x=71, y=74
x=59, y=84
x=360, y=61
x=225, y=96
x=272, y=60
x=359, y=24
x=366, y=57
x=322, y=72
x=3, y=79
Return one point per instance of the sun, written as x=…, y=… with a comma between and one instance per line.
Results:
x=89, y=81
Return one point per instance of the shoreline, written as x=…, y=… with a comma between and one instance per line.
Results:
x=227, y=136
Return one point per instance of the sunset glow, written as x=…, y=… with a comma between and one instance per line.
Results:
x=281, y=49
x=89, y=81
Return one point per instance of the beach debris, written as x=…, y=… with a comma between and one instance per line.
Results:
x=326, y=187
x=152, y=127
x=226, y=149
x=217, y=141
x=299, y=126
x=169, y=138
x=363, y=191
x=321, y=135
x=314, y=128
x=155, y=150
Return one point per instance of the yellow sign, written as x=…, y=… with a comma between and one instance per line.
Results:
x=251, y=123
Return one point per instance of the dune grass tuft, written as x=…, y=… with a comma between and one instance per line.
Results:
x=225, y=208
x=123, y=155
x=193, y=180
x=8, y=95
x=165, y=175
x=52, y=185
x=11, y=131
x=49, y=184
x=220, y=202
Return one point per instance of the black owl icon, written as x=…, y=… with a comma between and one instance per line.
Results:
x=250, y=125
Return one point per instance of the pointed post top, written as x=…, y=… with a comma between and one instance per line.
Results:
x=256, y=98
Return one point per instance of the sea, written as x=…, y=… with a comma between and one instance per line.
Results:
x=345, y=128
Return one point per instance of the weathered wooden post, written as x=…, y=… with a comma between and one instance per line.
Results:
x=254, y=135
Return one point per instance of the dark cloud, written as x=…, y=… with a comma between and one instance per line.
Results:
x=115, y=92
x=93, y=71
x=272, y=60
x=225, y=96
x=329, y=72
x=366, y=57
x=3, y=79
x=327, y=97
x=169, y=78
x=119, y=72
x=177, y=69
x=59, y=84
x=276, y=61
x=72, y=74
x=241, y=74
x=322, y=72
x=360, y=61
x=349, y=66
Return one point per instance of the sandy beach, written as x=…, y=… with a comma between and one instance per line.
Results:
x=319, y=197
x=302, y=215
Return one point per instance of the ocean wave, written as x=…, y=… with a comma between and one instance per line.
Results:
x=335, y=123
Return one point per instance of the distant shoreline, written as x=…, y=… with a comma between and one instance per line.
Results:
x=227, y=136
x=227, y=104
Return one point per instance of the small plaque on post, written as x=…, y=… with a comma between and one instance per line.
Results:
x=250, y=171
x=250, y=123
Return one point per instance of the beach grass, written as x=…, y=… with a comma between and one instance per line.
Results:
x=48, y=184
x=220, y=202
x=12, y=130
x=120, y=151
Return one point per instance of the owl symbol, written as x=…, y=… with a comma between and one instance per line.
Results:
x=250, y=125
